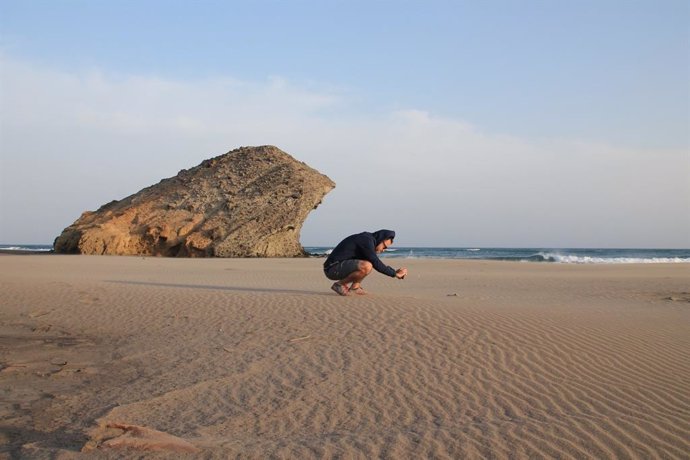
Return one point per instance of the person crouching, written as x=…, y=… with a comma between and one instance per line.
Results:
x=355, y=257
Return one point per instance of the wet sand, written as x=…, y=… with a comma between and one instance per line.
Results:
x=256, y=358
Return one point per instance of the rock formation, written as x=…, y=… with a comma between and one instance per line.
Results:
x=250, y=202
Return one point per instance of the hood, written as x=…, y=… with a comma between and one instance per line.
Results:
x=382, y=235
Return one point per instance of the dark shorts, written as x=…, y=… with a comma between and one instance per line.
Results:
x=341, y=270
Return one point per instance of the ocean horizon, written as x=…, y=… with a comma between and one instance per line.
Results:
x=545, y=255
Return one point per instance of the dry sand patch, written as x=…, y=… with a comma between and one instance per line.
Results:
x=258, y=358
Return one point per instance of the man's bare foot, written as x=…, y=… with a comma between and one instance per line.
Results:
x=340, y=289
x=359, y=290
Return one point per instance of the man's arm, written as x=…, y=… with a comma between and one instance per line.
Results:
x=371, y=256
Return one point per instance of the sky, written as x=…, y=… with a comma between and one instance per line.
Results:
x=534, y=123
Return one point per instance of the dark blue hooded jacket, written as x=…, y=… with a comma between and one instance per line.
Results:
x=362, y=247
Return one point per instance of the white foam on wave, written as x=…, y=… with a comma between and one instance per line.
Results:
x=573, y=259
x=22, y=248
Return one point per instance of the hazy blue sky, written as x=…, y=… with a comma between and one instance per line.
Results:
x=461, y=123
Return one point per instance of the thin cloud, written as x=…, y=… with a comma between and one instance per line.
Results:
x=72, y=141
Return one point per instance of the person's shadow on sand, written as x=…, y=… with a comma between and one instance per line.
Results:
x=219, y=288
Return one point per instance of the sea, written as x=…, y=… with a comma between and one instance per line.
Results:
x=536, y=255
x=26, y=247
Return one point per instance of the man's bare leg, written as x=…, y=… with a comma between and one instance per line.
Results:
x=356, y=277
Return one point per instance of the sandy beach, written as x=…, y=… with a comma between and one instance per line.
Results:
x=257, y=358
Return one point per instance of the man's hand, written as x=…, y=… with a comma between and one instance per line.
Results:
x=400, y=273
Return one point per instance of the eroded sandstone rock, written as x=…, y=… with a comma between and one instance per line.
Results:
x=250, y=202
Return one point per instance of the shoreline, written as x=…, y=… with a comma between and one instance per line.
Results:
x=258, y=358
x=23, y=252
x=539, y=255
x=396, y=259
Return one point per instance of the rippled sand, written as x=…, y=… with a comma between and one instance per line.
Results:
x=259, y=359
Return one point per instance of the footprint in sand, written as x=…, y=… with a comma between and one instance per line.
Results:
x=123, y=436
